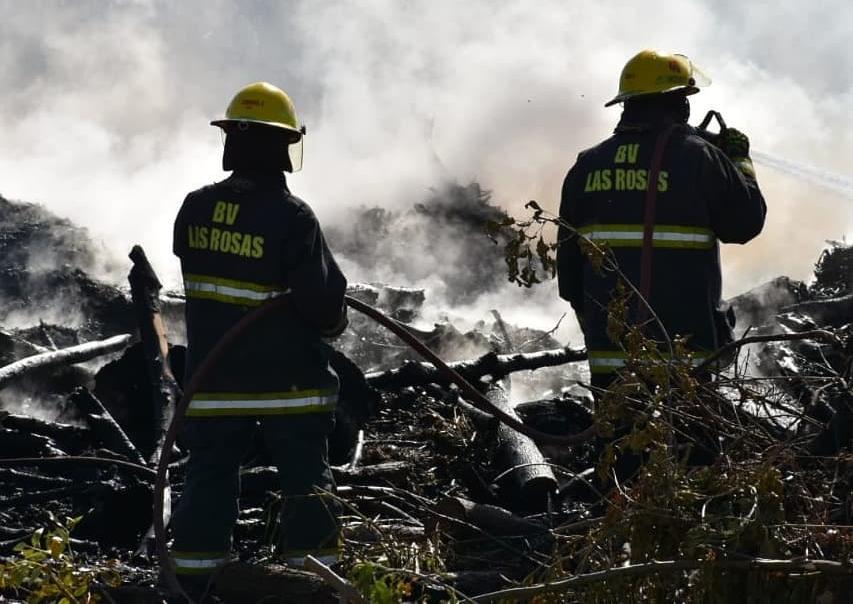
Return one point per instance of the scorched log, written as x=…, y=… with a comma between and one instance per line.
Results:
x=66, y=356
x=145, y=290
x=525, y=466
x=415, y=373
x=104, y=426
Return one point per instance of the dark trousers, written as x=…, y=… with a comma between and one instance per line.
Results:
x=207, y=511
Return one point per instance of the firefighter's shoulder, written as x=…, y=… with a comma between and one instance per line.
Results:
x=204, y=192
x=299, y=208
x=595, y=154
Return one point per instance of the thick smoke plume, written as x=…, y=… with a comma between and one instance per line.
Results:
x=105, y=104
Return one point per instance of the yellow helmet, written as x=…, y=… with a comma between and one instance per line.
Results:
x=263, y=103
x=649, y=72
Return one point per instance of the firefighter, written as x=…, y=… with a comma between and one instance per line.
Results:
x=660, y=198
x=243, y=241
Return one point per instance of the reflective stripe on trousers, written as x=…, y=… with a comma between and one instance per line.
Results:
x=296, y=558
x=608, y=361
x=664, y=236
x=262, y=403
x=194, y=563
x=229, y=291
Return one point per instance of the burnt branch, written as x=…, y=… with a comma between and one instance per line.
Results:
x=491, y=364
x=66, y=356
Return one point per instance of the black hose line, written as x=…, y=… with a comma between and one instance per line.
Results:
x=468, y=391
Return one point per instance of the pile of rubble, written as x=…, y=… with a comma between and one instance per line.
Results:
x=441, y=500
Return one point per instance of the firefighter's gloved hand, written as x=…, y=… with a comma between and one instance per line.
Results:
x=735, y=144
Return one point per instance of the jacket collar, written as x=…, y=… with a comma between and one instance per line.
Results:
x=260, y=178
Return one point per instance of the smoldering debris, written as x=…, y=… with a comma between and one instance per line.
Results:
x=418, y=469
x=439, y=239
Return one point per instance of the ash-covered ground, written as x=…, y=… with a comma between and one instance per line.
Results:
x=433, y=490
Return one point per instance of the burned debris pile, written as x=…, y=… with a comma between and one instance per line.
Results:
x=441, y=500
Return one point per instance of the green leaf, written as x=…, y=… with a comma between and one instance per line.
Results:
x=35, y=540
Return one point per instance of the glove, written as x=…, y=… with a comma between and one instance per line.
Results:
x=735, y=144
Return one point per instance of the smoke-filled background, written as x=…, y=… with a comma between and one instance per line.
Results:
x=105, y=108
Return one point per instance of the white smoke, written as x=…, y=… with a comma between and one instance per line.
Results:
x=105, y=104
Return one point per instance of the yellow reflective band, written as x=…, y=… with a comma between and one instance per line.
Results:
x=664, y=236
x=606, y=361
x=296, y=557
x=262, y=403
x=228, y=291
x=189, y=563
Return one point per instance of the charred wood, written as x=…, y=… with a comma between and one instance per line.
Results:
x=15, y=532
x=145, y=291
x=833, y=311
x=104, y=427
x=474, y=517
x=14, y=347
x=377, y=531
x=497, y=366
x=67, y=356
x=758, y=305
x=47, y=495
x=388, y=296
x=68, y=437
x=28, y=480
x=394, y=472
x=240, y=582
x=358, y=401
x=15, y=444
x=265, y=478
x=560, y=416
x=526, y=468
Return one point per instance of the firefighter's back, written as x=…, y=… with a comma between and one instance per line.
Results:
x=236, y=240
x=697, y=195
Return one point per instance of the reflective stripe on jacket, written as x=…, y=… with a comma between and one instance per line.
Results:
x=664, y=236
x=229, y=291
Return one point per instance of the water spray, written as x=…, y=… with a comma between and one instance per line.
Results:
x=835, y=182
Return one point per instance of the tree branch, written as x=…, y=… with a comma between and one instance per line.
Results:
x=67, y=356
x=519, y=594
x=815, y=334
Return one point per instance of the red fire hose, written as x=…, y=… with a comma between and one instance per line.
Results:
x=468, y=391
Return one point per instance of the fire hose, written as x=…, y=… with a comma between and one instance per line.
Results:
x=468, y=391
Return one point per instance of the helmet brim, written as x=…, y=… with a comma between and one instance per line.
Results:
x=225, y=122
x=619, y=98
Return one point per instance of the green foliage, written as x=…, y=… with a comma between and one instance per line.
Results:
x=529, y=257
x=45, y=569
x=400, y=572
x=710, y=482
x=379, y=585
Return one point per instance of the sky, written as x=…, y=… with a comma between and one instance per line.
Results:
x=104, y=105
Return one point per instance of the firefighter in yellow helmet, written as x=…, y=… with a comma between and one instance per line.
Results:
x=661, y=198
x=243, y=241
